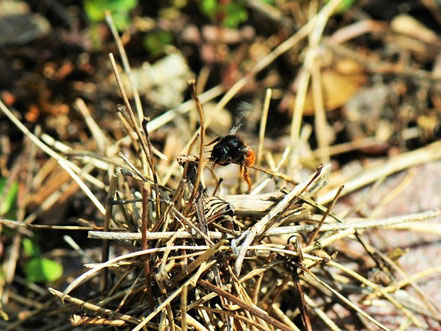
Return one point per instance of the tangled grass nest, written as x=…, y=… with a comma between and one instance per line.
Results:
x=177, y=257
x=184, y=259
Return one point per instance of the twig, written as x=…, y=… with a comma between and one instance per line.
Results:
x=77, y=320
x=201, y=145
x=184, y=301
x=248, y=236
x=167, y=301
x=145, y=189
x=90, y=273
x=132, y=167
x=15, y=224
x=126, y=64
x=91, y=306
x=152, y=164
x=113, y=183
x=328, y=210
x=145, y=157
x=283, y=230
x=274, y=174
x=253, y=310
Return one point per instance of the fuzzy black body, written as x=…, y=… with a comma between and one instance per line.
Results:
x=229, y=149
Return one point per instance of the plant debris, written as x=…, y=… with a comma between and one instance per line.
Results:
x=113, y=218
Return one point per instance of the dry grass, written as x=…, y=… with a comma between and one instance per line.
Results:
x=175, y=257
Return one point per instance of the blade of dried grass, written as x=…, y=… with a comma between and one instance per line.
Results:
x=285, y=319
x=358, y=205
x=420, y=156
x=318, y=23
x=195, y=324
x=378, y=289
x=428, y=228
x=46, y=149
x=394, y=192
x=321, y=314
x=132, y=167
x=16, y=224
x=322, y=127
x=394, y=266
x=184, y=108
x=163, y=270
x=406, y=281
x=65, y=165
x=263, y=119
x=127, y=292
x=265, y=181
x=152, y=163
x=98, y=134
x=345, y=300
x=243, y=295
x=275, y=174
x=90, y=273
x=145, y=189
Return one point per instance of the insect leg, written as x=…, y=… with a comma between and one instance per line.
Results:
x=245, y=175
x=213, y=141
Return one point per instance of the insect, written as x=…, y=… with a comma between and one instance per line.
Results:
x=232, y=149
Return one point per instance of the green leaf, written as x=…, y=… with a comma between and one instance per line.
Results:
x=118, y=8
x=236, y=14
x=30, y=248
x=9, y=197
x=209, y=7
x=156, y=41
x=42, y=270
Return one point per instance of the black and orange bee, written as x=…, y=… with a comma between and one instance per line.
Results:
x=232, y=149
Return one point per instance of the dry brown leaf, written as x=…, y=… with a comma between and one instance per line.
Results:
x=339, y=83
